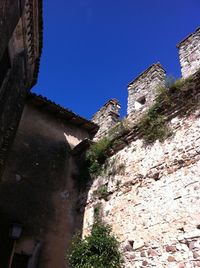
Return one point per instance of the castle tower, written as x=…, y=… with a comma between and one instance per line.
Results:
x=107, y=117
x=189, y=54
x=141, y=91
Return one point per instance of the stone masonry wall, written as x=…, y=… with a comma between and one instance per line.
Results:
x=106, y=117
x=141, y=91
x=189, y=53
x=153, y=199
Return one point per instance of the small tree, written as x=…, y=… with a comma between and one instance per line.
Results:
x=98, y=250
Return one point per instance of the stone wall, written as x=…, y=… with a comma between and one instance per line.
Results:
x=141, y=91
x=149, y=194
x=106, y=117
x=189, y=54
x=153, y=199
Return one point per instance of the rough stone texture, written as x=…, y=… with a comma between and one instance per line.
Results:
x=141, y=91
x=153, y=199
x=189, y=54
x=106, y=117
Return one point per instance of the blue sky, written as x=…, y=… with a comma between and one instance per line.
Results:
x=94, y=48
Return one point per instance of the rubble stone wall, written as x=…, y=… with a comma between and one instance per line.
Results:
x=189, y=54
x=153, y=199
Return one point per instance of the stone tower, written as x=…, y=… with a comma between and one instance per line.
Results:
x=141, y=91
x=189, y=54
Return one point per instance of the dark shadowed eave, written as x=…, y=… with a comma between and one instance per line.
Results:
x=63, y=113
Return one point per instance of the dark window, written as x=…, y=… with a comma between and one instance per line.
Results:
x=4, y=66
x=20, y=261
x=142, y=100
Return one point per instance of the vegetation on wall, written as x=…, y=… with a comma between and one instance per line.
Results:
x=152, y=124
x=176, y=95
x=101, y=192
x=97, y=155
x=90, y=163
x=100, y=249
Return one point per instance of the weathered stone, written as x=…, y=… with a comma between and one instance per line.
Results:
x=141, y=91
x=107, y=117
x=144, y=263
x=138, y=243
x=196, y=255
x=170, y=248
x=189, y=54
x=130, y=256
x=171, y=259
x=143, y=254
x=152, y=253
x=181, y=265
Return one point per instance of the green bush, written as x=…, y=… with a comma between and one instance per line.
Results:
x=101, y=192
x=97, y=212
x=97, y=154
x=152, y=125
x=98, y=250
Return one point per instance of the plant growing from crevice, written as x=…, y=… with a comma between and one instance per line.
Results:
x=97, y=155
x=98, y=212
x=100, y=249
x=152, y=126
x=101, y=192
x=120, y=129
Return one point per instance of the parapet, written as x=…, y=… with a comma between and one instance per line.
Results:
x=189, y=54
x=141, y=91
x=107, y=117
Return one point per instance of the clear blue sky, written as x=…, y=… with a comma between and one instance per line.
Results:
x=93, y=48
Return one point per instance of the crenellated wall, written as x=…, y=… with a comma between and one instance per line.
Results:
x=189, y=54
x=151, y=192
x=106, y=117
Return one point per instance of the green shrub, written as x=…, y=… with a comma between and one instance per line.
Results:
x=97, y=154
x=101, y=192
x=120, y=129
x=98, y=250
x=97, y=212
x=152, y=126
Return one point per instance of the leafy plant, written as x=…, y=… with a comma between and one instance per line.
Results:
x=152, y=125
x=97, y=212
x=101, y=192
x=100, y=249
x=97, y=154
